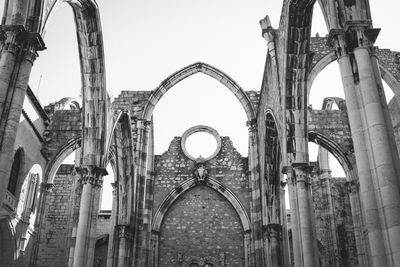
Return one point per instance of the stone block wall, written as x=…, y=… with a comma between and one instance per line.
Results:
x=340, y=220
x=55, y=233
x=228, y=167
x=201, y=224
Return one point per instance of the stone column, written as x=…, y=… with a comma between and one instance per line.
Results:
x=155, y=237
x=91, y=178
x=247, y=249
x=44, y=189
x=381, y=159
x=125, y=236
x=324, y=178
x=379, y=191
x=353, y=188
x=114, y=215
x=18, y=51
x=285, y=237
x=274, y=233
x=255, y=207
x=297, y=254
x=305, y=218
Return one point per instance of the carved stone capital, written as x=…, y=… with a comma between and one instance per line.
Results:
x=287, y=170
x=124, y=231
x=353, y=186
x=302, y=173
x=252, y=125
x=91, y=174
x=16, y=39
x=355, y=34
x=273, y=230
x=46, y=187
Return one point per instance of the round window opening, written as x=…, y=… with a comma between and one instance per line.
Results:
x=201, y=141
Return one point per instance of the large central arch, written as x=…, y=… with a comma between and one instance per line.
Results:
x=190, y=70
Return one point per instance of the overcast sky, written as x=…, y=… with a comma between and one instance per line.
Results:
x=146, y=41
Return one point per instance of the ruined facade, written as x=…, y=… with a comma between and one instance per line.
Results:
x=225, y=210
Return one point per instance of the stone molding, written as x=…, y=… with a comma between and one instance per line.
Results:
x=15, y=38
x=91, y=174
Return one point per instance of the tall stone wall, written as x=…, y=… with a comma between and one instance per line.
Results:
x=334, y=222
x=55, y=227
x=201, y=224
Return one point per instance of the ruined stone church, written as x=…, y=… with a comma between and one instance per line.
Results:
x=226, y=209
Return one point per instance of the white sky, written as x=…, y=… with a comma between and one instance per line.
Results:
x=147, y=40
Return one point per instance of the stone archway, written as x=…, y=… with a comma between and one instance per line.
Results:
x=201, y=224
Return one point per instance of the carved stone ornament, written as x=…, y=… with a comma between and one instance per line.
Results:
x=200, y=172
x=91, y=174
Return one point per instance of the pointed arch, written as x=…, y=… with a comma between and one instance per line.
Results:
x=386, y=75
x=188, y=184
x=190, y=70
x=336, y=151
x=62, y=153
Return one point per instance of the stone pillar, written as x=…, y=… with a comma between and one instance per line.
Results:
x=44, y=189
x=155, y=237
x=18, y=51
x=125, y=236
x=353, y=188
x=305, y=218
x=297, y=254
x=285, y=253
x=111, y=241
x=382, y=163
x=91, y=178
x=379, y=188
x=247, y=249
x=274, y=236
x=255, y=206
x=324, y=178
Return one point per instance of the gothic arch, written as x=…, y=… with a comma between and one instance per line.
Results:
x=63, y=152
x=188, y=184
x=335, y=150
x=190, y=70
x=390, y=80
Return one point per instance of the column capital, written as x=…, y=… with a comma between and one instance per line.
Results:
x=287, y=169
x=301, y=173
x=124, y=231
x=355, y=34
x=252, y=125
x=273, y=230
x=353, y=186
x=15, y=38
x=46, y=187
x=91, y=174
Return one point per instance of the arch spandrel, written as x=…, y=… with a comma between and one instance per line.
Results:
x=190, y=70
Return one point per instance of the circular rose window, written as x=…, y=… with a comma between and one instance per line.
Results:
x=201, y=141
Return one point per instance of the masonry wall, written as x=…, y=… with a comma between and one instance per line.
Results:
x=201, y=223
x=54, y=235
x=346, y=254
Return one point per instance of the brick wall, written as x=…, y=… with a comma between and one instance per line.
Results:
x=201, y=224
x=346, y=254
x=54, y=237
